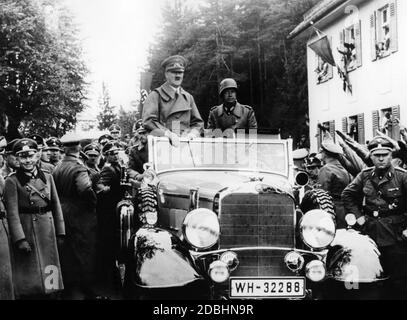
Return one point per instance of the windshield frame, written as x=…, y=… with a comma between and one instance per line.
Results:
x=153, y=155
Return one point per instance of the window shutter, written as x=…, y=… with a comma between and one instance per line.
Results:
x=342, y=38
x=393, y=26
x=332, y=129
x=361, y=128
x=395, y=112
x=358, y=43
x=373, y=36
x=319, y=138
x=345, y=125
x=376, y=119
x=330, y=68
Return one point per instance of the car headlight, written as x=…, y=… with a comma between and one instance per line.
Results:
x=219, y=271
x=294, y=261
x=201, y=228
x=317, y=229
x=315, y=270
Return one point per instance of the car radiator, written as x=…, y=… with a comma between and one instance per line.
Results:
x=258, y=220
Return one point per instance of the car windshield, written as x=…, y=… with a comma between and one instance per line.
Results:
x=257, y=155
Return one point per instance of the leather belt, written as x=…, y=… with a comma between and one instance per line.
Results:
x=34, y=210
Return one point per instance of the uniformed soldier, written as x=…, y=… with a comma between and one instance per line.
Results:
x=35, y=220
x=43, y=154
x=92, y=152
x=312, y=166
x=6, y=277
x=54, y=146
x=169, y=110
x=110, y=192
x=103, y=139
x=231, y=114
x=78, y=201
x=381, y=192
x=333, y=178
x=116, y=133
x=11, y=161
x=138, y=156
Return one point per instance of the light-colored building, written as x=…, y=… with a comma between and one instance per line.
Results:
x=371, y=32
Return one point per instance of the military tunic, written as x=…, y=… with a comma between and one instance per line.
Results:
x=165, y=109
x=6, y=280
x=385, y=207
x=38, y=219
x=333, y=178
x=240, y=117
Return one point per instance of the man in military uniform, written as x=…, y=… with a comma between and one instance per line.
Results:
x=43, y=154
x=110, y=192
x=138, y=156
x=169, y=110
x=92, y=152
x=116, y=133
x=36, y=224
x=231, y=114
x=11, y=161
x=382, y=191
x=78, y=201
x=333, y=178
x=54, y=146
x=103, y=139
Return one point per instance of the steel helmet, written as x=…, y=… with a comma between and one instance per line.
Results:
x=227, y=84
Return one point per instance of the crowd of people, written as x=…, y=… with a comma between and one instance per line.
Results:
x=368, y=186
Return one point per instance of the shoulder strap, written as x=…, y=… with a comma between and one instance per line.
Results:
x=42, y=195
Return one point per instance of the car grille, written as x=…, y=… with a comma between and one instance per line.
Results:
x=249, y=220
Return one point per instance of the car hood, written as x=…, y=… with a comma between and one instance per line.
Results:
x=211, y=182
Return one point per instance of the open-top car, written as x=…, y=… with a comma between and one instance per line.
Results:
x=219, y=219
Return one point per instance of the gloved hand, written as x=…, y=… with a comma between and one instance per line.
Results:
x=174, y=139
x=24, y=246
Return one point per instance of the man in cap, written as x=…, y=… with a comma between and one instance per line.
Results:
x=35, y=221
x=333, y=177
x=116, y=133
x=169, y=110
x=110, y=192
x=44, y=153
x=138, y=156
x=377, y=201
x=92, y=152
x=102, y=141
x=231, y=114
x=11, y=161
x=78, y=202
x=54, y=146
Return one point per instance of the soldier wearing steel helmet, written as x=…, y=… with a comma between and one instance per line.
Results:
x=377, y=200
x=170, y=110
x=334, y=178
x=231, y=114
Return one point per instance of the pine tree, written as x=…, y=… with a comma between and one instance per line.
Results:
x=107, y=115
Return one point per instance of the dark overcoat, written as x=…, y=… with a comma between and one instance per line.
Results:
x=6, y=280
x=78, y=201
x=38, y=272
x=164, y=109
x=240, y=117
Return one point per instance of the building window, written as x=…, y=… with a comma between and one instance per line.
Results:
x=351, y=46
x=354, y=126
x=387, y=121
x=383, y=25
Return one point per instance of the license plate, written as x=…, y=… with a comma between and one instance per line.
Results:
x=282, y=287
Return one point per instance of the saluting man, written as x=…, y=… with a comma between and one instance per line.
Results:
x=170, y=110
x=231, y=114
x=36, y=223
x=382, y=191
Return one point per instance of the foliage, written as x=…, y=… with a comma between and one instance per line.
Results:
x=42, y=73
x=126, y=121
x=107, y=115
x=246, y=40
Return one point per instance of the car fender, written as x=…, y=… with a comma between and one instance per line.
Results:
x=157, y=260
